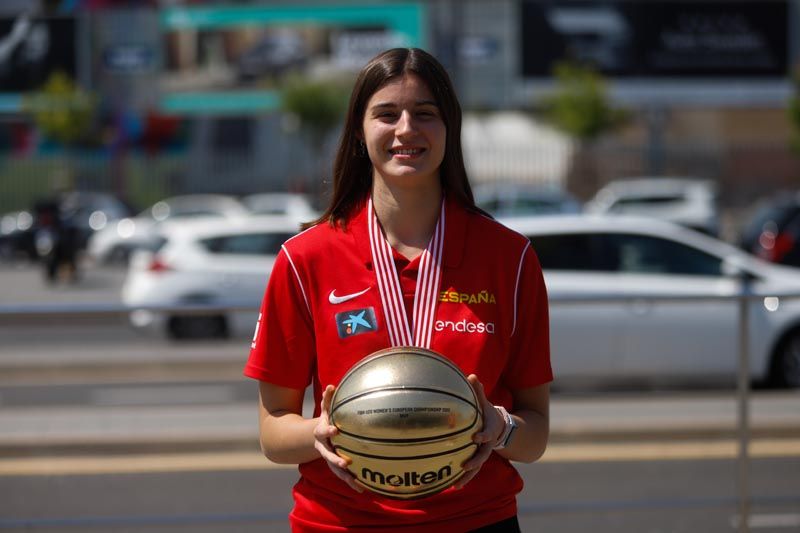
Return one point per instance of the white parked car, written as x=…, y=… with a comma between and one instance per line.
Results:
x=116, y=241
x=643, y=338
x=291, y=204
x=205, y=261
x=685, y=201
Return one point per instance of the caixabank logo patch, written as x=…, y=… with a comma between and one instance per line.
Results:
x=356, y=322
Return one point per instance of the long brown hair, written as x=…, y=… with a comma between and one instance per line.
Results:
x=352, y=169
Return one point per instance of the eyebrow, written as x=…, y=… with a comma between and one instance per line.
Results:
x=392, y=104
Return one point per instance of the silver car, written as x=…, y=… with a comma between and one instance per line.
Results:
x=642, y=336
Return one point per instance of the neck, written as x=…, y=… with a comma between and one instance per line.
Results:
x=408, y=215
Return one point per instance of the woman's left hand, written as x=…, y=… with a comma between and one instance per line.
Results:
x=486, y=438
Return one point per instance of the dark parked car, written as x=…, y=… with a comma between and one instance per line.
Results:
x=774, y=231
x=16, y=236
x=91, y=211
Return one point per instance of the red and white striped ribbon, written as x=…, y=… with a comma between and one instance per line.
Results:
x=429, y=280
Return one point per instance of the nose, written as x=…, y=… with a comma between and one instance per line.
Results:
x=405, y=124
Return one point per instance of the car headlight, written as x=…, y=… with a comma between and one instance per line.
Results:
x=24, y=221
x=141, y=317
x=772, y=303
x=98, y=220
x=126, y=228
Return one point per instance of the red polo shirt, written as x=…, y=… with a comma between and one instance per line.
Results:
x=322, y=313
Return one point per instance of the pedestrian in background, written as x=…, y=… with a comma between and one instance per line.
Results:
x=56, y=237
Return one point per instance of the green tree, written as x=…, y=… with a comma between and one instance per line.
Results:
x=319, y=105
x=61, y=110
x=580, y=105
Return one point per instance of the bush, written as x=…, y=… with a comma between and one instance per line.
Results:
x=580, y=105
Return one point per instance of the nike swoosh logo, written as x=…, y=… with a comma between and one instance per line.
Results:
x=332, y=298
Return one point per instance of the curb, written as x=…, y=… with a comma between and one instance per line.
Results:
x=112, y=447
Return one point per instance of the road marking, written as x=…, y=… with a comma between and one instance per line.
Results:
x=770, y=521
x=133, y=464
x=662, y=451
x=210, y=461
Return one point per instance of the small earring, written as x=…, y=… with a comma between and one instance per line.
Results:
x=362, y=149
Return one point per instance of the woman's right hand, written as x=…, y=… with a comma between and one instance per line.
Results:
x=322, y=436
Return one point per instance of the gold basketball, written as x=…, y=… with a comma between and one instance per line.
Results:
x=406, y=417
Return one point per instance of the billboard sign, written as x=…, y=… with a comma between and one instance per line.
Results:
x=628, y=39
x=130, y=58
x=31, y=49
x=235, y=59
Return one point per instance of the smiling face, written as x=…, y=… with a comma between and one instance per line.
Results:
x=404, y=133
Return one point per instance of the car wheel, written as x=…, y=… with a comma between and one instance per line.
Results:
x=197, y=327
x=786, y=362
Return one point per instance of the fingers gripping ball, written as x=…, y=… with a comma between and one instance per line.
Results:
x=405, y=417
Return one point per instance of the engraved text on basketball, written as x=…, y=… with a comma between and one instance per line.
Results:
x=407, y=479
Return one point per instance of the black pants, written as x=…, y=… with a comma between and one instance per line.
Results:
x=509, y=525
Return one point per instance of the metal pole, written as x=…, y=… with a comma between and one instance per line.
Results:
x=656, y=122
x=743, y=400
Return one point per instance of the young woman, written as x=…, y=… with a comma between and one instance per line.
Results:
x=403, y=257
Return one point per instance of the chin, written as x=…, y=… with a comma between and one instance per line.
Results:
x=411, y=172
x=412, y=180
